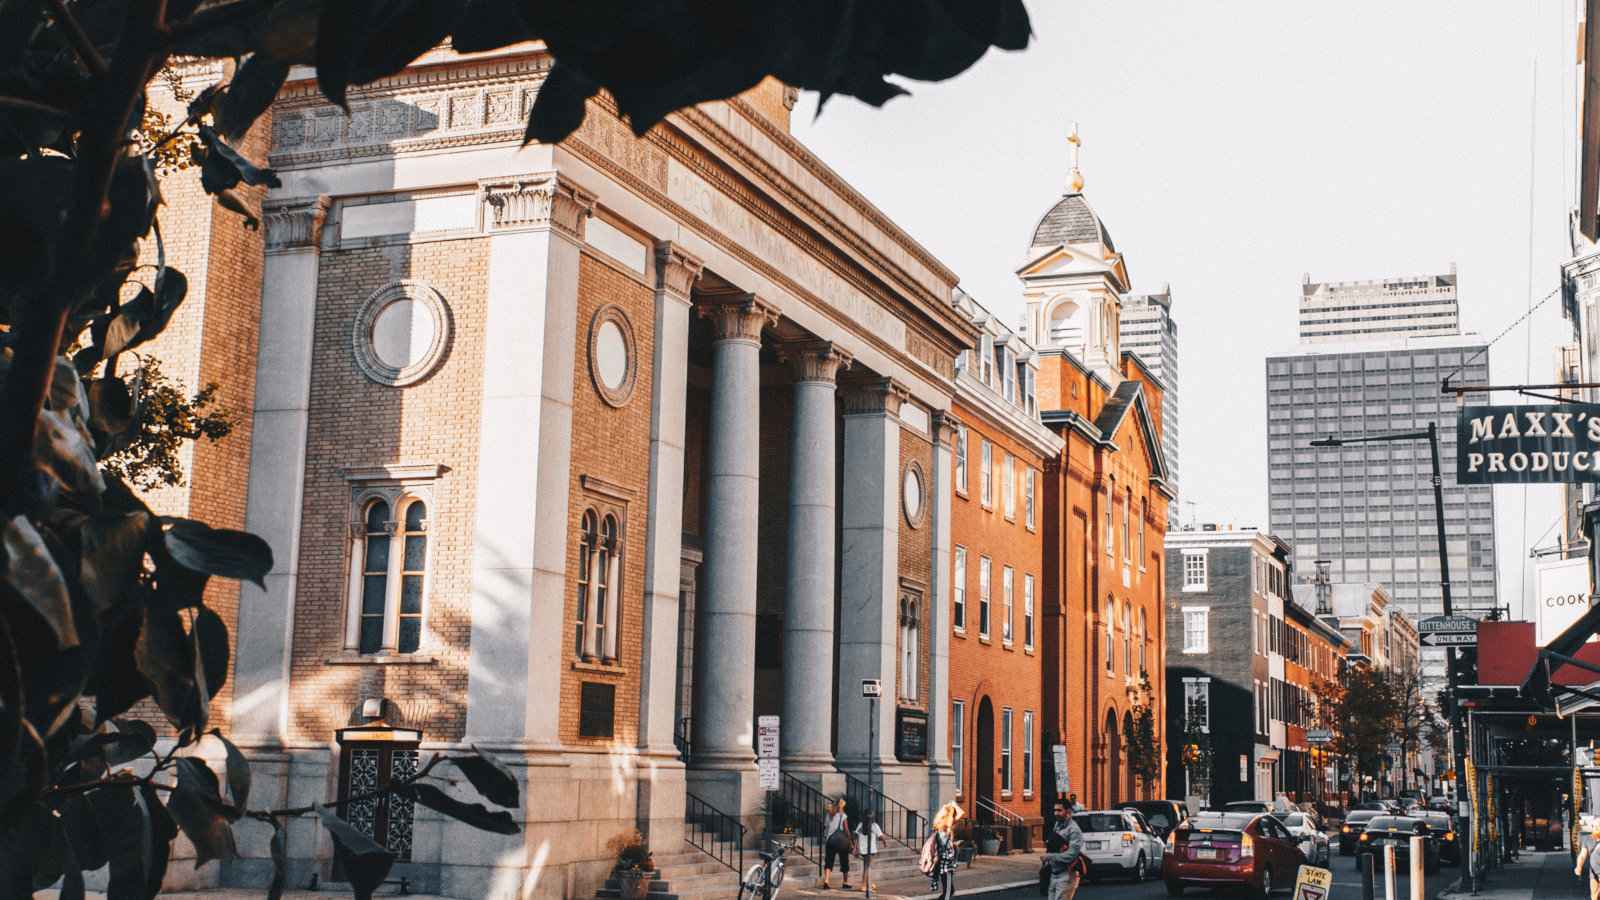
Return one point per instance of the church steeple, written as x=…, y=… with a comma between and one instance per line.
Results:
x=1076, y=182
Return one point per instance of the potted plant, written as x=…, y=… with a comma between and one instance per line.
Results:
x=635, y=867
x=988, y=841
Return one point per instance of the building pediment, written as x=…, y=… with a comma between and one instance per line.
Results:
x=1074, y=261
x=1127, y=410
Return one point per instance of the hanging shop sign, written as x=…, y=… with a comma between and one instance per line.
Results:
x=1563, y=596
x=1549, y=444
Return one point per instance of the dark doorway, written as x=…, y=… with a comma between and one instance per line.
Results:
x=1113, y=759
x=984, y=781
x=1127, y=777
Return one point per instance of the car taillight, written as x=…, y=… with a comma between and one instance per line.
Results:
x=1127, y=837
x=1365, y=836
x=1345, y=829
x=1449, y=835
x=1247, y=847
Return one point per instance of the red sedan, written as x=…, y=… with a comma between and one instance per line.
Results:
x=1218, y=849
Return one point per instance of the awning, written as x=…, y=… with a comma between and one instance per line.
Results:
x=1267, y=759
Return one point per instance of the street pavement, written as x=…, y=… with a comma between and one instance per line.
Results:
x=1346, y=886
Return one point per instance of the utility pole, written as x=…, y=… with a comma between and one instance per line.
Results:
x=1431, y=435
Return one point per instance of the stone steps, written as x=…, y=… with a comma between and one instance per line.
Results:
x=693, y=874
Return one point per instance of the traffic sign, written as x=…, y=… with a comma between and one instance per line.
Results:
x=871, y=687
x=767, y=770
x=1450, y=639
x=1063, y=778
x=1449, y=624
x=1319, y=736
x=1313, y=883
x=767, y=737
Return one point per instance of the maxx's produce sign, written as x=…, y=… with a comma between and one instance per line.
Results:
x=1548, y=444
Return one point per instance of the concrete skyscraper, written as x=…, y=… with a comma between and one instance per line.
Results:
x=1149, y=331
x=1368, y=508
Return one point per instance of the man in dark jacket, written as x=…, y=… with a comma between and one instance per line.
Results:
x=1065, y=857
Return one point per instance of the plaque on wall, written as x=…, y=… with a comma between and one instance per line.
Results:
x=910, y=735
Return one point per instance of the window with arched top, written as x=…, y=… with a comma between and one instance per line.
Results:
x=1111, y=638
x=388, y=590
x=910, y=646
x=1144, y=639
x=599, y=574
x=1127, y=640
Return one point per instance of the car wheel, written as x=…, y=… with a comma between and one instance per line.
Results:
x=1174, y=889
x=1141, y=869
x=1266, y=882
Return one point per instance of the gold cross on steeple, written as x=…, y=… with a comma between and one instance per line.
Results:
x=1077, y=147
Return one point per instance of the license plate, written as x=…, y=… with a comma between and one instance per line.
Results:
x=1205, y=854
x=1092, y=845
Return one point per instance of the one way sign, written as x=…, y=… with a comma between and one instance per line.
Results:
x=1449, y=639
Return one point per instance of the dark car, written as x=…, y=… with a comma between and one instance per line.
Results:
x=1444, y=828
x=1163, y=815
x=1355, y=822
x=1254, y=806
x=1397, y=832
x=1220, y=849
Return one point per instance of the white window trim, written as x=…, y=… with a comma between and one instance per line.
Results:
x=986, y=457
x=1008, y=485
x=985, y=596
x=1008, y=737
x=1111, y=540
x=961, y=460
x=1008, y=597
x=1111, y=639
x=958, y=745
x=1205, y=571
x=1031, y=487
x=958, y=596
x=1029, y=623
x=398, y=486
x=1027, y=753
x=1205, y=680
x=1205, y=633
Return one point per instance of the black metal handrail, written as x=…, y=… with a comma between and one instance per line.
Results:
x=899, y=822
x=987, y=811
x=680, y=738
x=714, y=832
x=800, y=813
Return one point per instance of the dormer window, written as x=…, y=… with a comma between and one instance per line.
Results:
x=997, y=371
x=986, y=351
x=1010, y=370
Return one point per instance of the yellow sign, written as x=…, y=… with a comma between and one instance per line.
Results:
x=1313, y=884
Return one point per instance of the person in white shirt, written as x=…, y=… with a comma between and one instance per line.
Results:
x=868, y=836
x=836, y=843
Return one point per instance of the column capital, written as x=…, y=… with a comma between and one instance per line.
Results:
x=738, y=317
x=676, y=270
x=945, y=425
x=877, y=396
x=544, y=200
x=294, y=224
x=813, y=360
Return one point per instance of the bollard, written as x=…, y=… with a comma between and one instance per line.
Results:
x=1366, y=862
x=1388, y=872
x=1418, y=860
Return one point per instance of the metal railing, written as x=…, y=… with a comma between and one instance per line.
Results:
x=987, y=812
x=899, y=822
x=717, y=834
x=680, y=738
x=800, y=811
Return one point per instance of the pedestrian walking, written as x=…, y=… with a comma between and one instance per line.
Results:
x=837, y=844
x=938, y=860
x=1589, y=864
x=1064, y=856
x=868, y=836
x=1073, y=805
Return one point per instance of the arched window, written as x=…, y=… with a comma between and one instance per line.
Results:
x=1111, y=640
x=910, y=651
x=374, y=576
x=1127, y=640
x=588, y=537
x=599, y=571
x=388, y=575
x=1144, y=640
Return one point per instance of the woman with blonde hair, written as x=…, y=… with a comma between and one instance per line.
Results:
x=1589, y=864
x=836, y=843
x=938, y=860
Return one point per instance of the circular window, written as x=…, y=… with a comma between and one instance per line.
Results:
x=611, y=355
x=911, y=495
x=401, y=333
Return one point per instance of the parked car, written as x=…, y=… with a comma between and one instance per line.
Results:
x=1441, y=804
x=1372, y=805
x=1444, y=828
x=1307, y=830
x=1219, y=849
x=1119, y=842
x=1397, y=831
x=1355, y=822
x=1163, y=815
x=1254, y=806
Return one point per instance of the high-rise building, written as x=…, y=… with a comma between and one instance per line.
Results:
x=1405, y=306
x=1150, y=333
x=1368, y=508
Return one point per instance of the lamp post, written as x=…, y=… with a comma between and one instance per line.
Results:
x=1431, y=435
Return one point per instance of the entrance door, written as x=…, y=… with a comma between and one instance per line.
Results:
x=984, y=780
x=1113, y=759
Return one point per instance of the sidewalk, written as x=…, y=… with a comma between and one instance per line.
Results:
x=1536, y=876
x=987, y=874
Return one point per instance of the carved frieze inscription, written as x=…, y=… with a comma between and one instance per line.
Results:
x=726, y=215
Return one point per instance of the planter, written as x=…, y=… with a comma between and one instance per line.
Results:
x=989, y=846
x=634, y=884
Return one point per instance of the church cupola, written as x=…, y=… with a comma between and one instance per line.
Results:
x=1073, y=281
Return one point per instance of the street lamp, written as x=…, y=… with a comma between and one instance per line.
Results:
x=1431, y=435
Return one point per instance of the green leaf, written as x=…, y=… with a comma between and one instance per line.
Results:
x=280, y=860
x=490, y=777
x=250, y=93
x=32, y=572
x=218, y=551
x=238, y=774
x=366, y=863
x=198, y=809
x=475, y=814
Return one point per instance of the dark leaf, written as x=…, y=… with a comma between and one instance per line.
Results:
x=64, y=452
x=128, y=852
x=490, y=777
x=218, y=551
x=157, y=847
x=30, y=219
x=111, y=414
x=12, y=706
x=32, y=572
x=211, y=647
x=205, y=102
x=409, y=28
x=489, y=25
x=198, y=809
x=238, y=773
x=249, y=94
x=167, y=663
x=171, y=287
x=113, y=550
x=280, y=860
x=230, y=201
x=366, y=863
x=475, y=814
x=24, y=836
x=237, y=168
x=342, y=35
x=66, y=390
x=122, y=332
x=135, y=738
x=115, y=681
x=559, y=108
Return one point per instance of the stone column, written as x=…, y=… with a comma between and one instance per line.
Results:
x=724, y=685
x=869, y=570
x=807, y=723
x=260, y=711
x=661, y=795
x=519, y=594
x=941, y=777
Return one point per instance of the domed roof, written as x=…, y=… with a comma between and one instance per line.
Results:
x=1071, y=221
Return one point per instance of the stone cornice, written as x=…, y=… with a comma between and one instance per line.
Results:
x=536, y=201
x=737, y=317
x=676, y=270
x=818, y=361
x=945, y=425
x=877, y=396
x=294, y=224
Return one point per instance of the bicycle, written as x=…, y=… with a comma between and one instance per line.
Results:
x=762, y=880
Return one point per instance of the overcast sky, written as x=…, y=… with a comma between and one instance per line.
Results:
x=1231, y=147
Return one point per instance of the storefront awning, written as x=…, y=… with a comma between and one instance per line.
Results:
x=1267, y=759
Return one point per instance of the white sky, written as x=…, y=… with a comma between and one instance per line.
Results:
x=1231, y=147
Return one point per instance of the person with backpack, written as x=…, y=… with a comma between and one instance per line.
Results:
x=1589, y=864
x=1064, y=856
x=868, y=836
x=837, y=844
x=938, y=860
